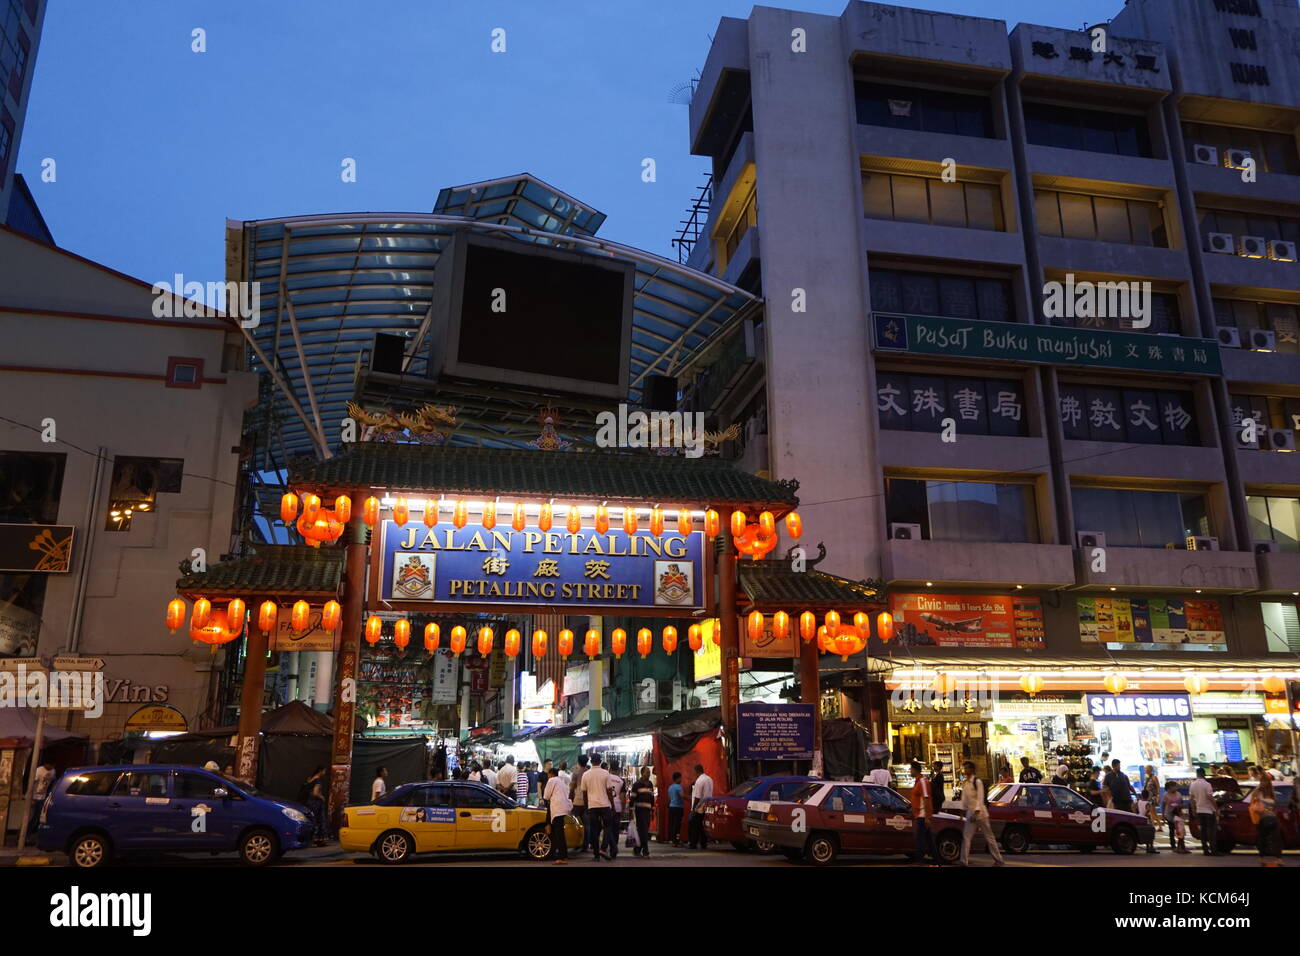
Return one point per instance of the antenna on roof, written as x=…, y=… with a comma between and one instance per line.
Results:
x=682, y=93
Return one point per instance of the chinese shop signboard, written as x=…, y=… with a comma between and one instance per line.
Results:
x=1015, y=342
x=1152, y=623
x=775, y=731
x=555, y=568
x=968, y=620
x=315, y=638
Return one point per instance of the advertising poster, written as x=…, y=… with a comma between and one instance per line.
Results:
x=968, y=620
x=443, y=687
x=1151, y=621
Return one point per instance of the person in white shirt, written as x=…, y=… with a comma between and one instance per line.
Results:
x=564, y=773
x=1201, y=795
x=701, y=790
x=507, y=776
x=976, y=812
x=595, y=786
x=879, y=775
x=379, y=787
x=558, y=807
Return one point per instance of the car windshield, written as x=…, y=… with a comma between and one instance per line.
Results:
x=804, y=793
x=1001, y=793
x=743, y=789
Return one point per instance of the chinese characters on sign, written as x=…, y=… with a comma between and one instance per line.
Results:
x=978, y=406
x=1112, y=414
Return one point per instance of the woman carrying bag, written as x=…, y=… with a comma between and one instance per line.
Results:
x=1263, y=813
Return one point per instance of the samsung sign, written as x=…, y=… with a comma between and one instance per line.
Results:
x=1140, y=706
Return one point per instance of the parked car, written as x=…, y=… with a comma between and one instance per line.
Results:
x=1024, y=814
x=449, y=816
x=96, y=813
x=824, y=819
x=724, y=816
x=1235, y=826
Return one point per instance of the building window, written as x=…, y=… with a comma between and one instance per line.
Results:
x=1134, y=222
x=1123, y=134
x=928, y=111
x=932, y=201
x=1164, y=318
x=963, y=510
x=733, y=227
x=1140, y=519
x=1275, y=519
x=31, y=484
x=947, y=295
x=1277, y=317
x=1267, y=411
x=6, y=139
x=1282, y=626
x=978, y=406
x=1272, y=152
x=1091, y=413
x=184, y=372
x=1238, y=224
x=136, y=484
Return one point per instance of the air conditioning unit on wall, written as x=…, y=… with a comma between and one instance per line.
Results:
x=1281, y=439
x=1236, y=158
x=1196, y=542
x=1263, y=340
x=1220, y=242
x=1252, y=247
x=900, y=531
x=1090, y=539
x=1281, y=250
x=1264, y=547
x=1205, y=155
x=1229, y=337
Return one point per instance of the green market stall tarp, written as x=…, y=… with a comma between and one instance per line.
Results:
x=559, y=744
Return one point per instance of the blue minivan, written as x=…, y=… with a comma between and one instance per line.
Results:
x=95, y=813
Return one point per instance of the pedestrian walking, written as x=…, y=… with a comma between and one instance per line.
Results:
x=937, y=783
x=676, y=807
x=600, y=807
x=508, y=776
x=1029, y=774
x=521, y=785
x=555, y=795
x=1151, y=797
x=312, y=796
x=617, y=791
x=921, y=801
x=378, y=786
x=879, y=775
x=1201, y=796
x=1062, y=776
x=1178, y=829
x=701, y=790
x=1263, y=813
x=1119, y=787
x=975, y=809
x=42, y=777
x=1092, y=787
x=643, y=805
x=580, y=800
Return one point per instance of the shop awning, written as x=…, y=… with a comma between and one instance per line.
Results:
x=601, y=476
x=774, y=586
x=18, y=729
x=271, y=571
x=631, y=726
x=1019, y=661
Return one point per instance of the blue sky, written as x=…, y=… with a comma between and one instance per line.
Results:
x=157, y=146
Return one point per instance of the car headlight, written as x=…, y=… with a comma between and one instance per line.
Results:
x=297, y=816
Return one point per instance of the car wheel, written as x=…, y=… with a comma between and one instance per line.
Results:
x=89, y=850
x=949, y=847
x=1225, y=844
x=258, y=848
x=1124, y=841
x=822, y=849
x=742, y=845
x=794, y=856
x=1015, y=839
x=393, y=846
x=537, y=843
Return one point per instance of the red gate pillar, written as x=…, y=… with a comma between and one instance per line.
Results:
x=250, y=701
x=810, y=689
x=729, y=622
x=345, y=686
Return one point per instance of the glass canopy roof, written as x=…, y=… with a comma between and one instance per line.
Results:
x=329, y=283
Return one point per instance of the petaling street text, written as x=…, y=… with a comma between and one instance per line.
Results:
x=568, y=591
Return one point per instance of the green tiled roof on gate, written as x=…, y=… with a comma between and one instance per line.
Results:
x=603, y=476
x=272, y=569
x=776, y=586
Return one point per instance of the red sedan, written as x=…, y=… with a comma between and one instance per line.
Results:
x=724, y=816
x=1024, y=814
x=1235, y=826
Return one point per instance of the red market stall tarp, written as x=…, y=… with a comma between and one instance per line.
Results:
x=681, y=742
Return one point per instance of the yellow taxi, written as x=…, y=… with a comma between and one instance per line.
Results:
x=449, y=816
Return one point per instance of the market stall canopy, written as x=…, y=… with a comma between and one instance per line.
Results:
x=923, y=658
x=773, y=585
x=18, y=729
x=600, y=476
x=272, y=571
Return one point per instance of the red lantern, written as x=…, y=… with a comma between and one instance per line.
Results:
x=564, y=643
x=310, y=505
x=300, y=616
x=670, y=640
x=712, y=523
x=685, y=522
x=430, y=515
x=432, y=637
x=629, y=521
x=713, y=629
x=1115, y=683
x=763, y=543
x=822, y=640
x=374, y=627
x=767, y=523
x=574, y=523
x=489, y=519
x=457, y=639
x=862, y=624
x=323, y=527
x=512, y=643
x=485, y=641
x=780, y=625
x=645, y=642
x=235, y=614
x=288, y=507
x=602, y=519
x=591, y=643
x=1031, y=684
x=202, y=611
x=266, y=616
x=544, y=518
x=832, y=621
x=847, y=641
x=460, y=514
x=1271, y=683
x=520, y=520
x=793, y=524
x=618, y=642
x=539, y=643
x=656, y=521
x=693, y=639
x=330, y=615
x=175, y=614
x=343, y=508
x=885, y=626
x=401, y=512
x=402, y=632
x=807, y=626
x=755, y=625
x=217, y=630
x=738, y=523
x=370, y=511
